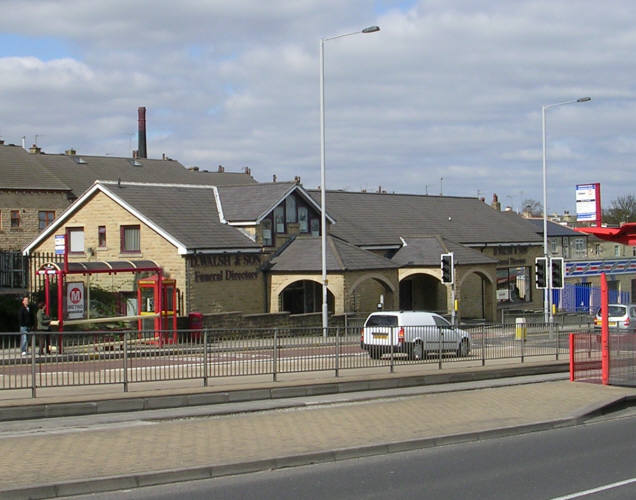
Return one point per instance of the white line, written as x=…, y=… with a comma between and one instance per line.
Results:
x=596, y=490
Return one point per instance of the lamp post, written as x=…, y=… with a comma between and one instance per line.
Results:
x=547, y=297
x=323, y=216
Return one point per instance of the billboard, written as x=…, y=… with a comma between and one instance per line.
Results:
x=588, y=203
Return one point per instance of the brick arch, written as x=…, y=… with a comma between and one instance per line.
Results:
x=294, y=279
x=428, y=272
x=476, y=270
x=375, y=276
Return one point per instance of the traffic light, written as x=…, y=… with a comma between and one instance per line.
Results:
x=448, y=270
x=541, y=272
x=557, y=268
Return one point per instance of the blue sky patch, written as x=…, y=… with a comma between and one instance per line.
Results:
x=44, y=48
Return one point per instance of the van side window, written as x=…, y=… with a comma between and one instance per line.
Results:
x=441, y=322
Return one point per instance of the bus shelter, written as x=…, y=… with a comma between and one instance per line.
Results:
x=73, y=300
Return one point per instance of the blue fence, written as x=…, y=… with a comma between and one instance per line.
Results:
x=586, y=299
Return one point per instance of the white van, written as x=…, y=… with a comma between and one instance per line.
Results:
x=415, y=333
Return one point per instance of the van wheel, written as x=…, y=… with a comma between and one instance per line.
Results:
x=375, y=353
x=416, y=351
x=464, y=348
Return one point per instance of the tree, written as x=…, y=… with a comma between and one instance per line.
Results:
x=622, y=209
x=532, y=207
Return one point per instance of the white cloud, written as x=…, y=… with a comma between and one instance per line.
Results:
x=449, y=89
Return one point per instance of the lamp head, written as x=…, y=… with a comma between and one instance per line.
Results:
x=584, y=99
x=371, y=29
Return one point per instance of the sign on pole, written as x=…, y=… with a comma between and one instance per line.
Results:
x=59, y=244
x=588, y=203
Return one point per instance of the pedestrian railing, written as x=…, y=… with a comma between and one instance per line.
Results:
x=126, y=357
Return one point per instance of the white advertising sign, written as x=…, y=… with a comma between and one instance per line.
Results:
x=75, y=300
x=586, y=202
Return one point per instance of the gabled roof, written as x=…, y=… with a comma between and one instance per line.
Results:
x=304, y=254
x=185, y=215
x=374, y=219
x=250, y=204
x=425, y=251
x=21, y=170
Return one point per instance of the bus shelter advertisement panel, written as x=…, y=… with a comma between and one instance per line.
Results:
x=75, y=300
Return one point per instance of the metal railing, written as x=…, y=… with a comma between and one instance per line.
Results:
x=126, y=357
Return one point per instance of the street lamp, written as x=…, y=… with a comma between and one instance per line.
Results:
x=547, y=297
x=323, y=217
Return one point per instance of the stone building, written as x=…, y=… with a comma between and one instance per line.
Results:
x=256, y=248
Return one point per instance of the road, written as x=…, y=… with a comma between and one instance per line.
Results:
x=542, y=465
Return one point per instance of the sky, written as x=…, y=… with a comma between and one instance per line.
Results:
x=446, y=98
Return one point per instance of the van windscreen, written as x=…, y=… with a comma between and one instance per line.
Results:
x=382, y=320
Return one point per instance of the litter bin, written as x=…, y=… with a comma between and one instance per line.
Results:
x=195, y=325
x=520, y=328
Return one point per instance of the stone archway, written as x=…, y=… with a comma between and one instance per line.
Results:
x=368, y=291
x=304, y=296
x=423, y=292
x=477, y=296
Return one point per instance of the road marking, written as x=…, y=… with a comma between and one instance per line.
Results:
x=596, y=490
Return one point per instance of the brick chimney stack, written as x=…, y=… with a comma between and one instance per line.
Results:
x=141, y=150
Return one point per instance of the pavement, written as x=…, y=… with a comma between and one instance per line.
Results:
x=184, y=431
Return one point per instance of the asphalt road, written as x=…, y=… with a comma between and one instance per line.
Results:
x=595, y=460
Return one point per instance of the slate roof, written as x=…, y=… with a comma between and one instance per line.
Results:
x=304, y=254
x=368, y=219
x=422, y=251
x=187, y=213
x=248, y=203
x=77, y=173
x=554, y=229
x=21, y=170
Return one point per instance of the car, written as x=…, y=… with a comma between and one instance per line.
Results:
x=415, y=333
x=621, y=317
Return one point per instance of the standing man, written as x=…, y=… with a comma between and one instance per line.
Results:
x=25, y=320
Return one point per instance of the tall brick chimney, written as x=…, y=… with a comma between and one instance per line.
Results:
x=141, y=113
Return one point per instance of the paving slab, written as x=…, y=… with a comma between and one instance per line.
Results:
x=93, y=458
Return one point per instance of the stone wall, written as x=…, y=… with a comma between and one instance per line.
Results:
x=29, y=204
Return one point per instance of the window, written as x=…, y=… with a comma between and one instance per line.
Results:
x=513, y=284
x=290, y=209
x=45, y=217
x=266, y=227
x=315, y=227
x=617, y=251
x=553, y=246
x=279, y=218
x=579, y=246
x=15, y=218
x=597, y=247
x=101, y=236
x=75, y=237
x=302, y=219
x=130, y=239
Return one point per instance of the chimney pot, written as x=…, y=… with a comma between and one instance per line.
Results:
x=35, y=150
x=221, y=169
x=70, y=152
x=247, y=170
